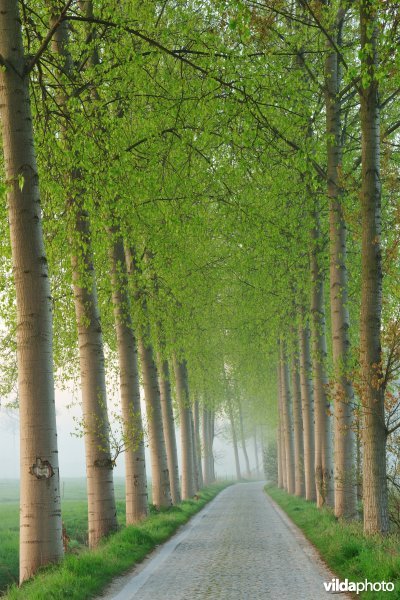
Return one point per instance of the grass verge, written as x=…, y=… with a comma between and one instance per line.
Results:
x=74, y=510
x=343, y=546
x=84, y=574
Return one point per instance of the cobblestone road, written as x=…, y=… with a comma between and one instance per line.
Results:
x=240, y=547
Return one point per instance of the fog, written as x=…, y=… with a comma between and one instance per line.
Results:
x=71, y=448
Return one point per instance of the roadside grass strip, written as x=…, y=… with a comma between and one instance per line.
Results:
x=342, y=545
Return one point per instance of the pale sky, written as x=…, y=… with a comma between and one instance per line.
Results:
x=71, y=449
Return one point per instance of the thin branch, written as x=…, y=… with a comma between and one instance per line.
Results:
x=47, y=39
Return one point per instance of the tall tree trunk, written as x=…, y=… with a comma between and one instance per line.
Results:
x=298, y=430
x=322, y=409
x=234, y=440
x=102, y=515
x=359, y=460
x=279, y=454
x=135, y=467
x=99, y=465
x=283, y=454
x=287, y=422
x=279, y=442
x=345, y=472
x=40, y=511
x=243, y=439
x=307, y=412
x=207, y=447
x=197, y=441
x=256, y=452
x=164, y=386
x=212, y=435
x=161, y=492
x=196, y=474
x=282, y=445
x=374, y=429
x=169, y=427
x=182, y=396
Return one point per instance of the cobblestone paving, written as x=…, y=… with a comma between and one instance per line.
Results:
x=240, y=547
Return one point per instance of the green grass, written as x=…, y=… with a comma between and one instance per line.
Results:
x=9, y=533
x=83, y=573
x=74, y=511
x=343, y=546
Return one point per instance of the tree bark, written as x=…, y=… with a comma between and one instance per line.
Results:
x=287, y=422
x=256, y=452
x=234, y=440
x=182, y=396
x=322, y=409
x=307, y=412
x=283, y=460
x=212, y=435
x=102, y=516
x=279, y=455
x=298, y=431
x=207, y=439
x=375, y=498
x=279, y=441
x=99, y=465
x=243, y=439
x=165, y=392
x=169, y=427
x=196, y=474
x=344, y=459
x=197, y=441
x=40, y=511
x=135, y=466
x=161, y=493
x=282, y=449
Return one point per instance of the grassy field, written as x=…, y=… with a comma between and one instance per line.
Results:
x=74, y=510
x=343, y=546
x=84, y=573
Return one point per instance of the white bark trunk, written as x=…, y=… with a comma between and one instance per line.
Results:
x=196, y=425
x=169, y=427
x=135, y=466
x=196, y=475
x=322, y=408
x=345, y=469
x=161, y=492
x=207, y=442
x=376, y=518
x=298, y=431
x=234, y=440
x=307, y=412
x=282, y=445
x=287, y=422
x=243, y=439
x=40, y=512
x=182, y=397
x=212, y=435
x=102, y=515
x=256, y=452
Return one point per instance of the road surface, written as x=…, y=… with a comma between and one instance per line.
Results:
x=241, y=546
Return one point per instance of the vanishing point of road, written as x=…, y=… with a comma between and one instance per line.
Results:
x=241, y=546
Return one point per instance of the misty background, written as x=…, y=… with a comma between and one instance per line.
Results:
x=71, y=448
